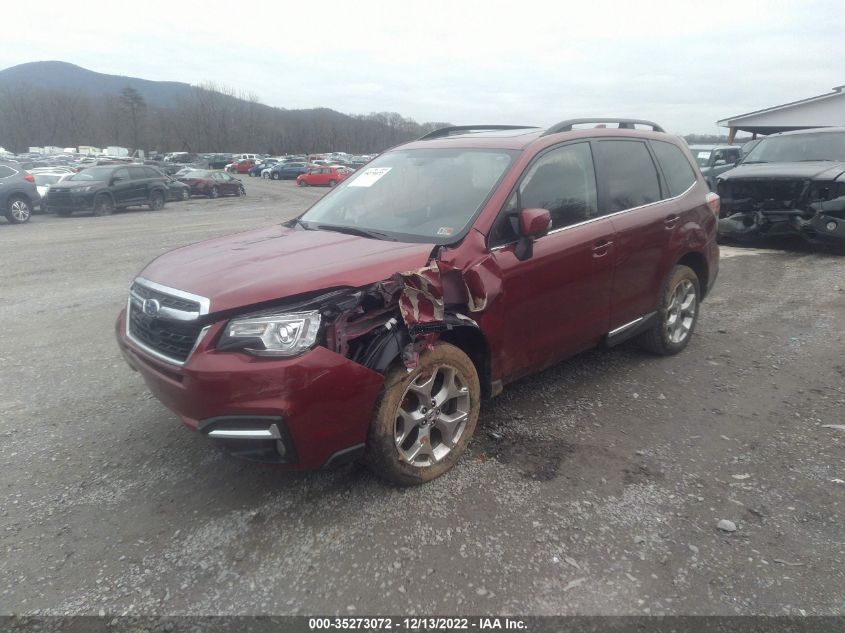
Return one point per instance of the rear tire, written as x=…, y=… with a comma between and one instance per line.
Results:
x=156, y=202
x=18, y=210
x=332, y=183
x=425, y=418
x=275, y=176
x=103, y=205
x=186, y=194
x=677, y=315
x=214, y=193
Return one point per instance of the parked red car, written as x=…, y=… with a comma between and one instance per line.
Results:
x=372, y=325
x=212, y=184
x=241, y=166
x=325, y=176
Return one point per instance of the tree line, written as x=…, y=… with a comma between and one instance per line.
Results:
x=211, y=118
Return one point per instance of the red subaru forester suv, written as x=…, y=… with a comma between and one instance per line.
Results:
x=371, y=326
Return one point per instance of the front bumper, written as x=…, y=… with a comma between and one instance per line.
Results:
x=821, y=228
x=321, y=401
x=71, y=202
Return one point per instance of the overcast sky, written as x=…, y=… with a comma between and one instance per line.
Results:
x=683, y=64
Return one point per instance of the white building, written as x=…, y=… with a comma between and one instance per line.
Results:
x=825, y=110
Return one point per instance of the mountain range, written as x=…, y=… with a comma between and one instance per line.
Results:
x=56, y=75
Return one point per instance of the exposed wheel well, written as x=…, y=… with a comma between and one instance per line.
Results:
x=698, y=263
x=472, y=342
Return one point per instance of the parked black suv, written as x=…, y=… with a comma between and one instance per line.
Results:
x=789, y=184
x=18, y=194
x=104, y=188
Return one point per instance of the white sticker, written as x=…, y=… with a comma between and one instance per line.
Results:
x=703, y=155
x=369, y=177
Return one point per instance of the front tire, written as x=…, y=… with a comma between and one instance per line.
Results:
x=677, y=316
x=425, y=418
x=18, y=210
x=103, y=205
x=332, y=183
x=275, y=176
x=214, y=193
x=186, y=194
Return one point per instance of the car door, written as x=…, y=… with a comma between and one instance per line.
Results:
x=556, y=302
x=121, y=186
x=632, y=194
x=141, y=181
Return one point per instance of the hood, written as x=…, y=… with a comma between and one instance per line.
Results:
x=76, y=184
x=277, y=262
x=816, y=170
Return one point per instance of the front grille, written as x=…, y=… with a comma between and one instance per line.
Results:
x=165, y=300
x=171, y=338
x=59, y=199
x=762, y=194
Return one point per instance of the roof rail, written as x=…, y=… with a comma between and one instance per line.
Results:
x=566, y=126
x=448, y=131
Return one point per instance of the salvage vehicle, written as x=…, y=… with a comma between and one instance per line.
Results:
x=371, y=326
x=212, y=184
x=176, y=190
x=323, y=176
x=789, y=184
x=18, y=193
x=715, y=159
x=104, y=188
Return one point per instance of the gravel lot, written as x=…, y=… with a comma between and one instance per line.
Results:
x=593, y=488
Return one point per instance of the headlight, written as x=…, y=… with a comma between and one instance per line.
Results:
x=272, y=334
x=88, y=188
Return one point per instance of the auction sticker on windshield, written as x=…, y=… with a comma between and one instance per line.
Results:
x=369, y=177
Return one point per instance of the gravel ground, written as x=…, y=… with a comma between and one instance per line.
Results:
x=594, y=487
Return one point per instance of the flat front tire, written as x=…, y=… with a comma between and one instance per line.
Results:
x=677, y=315
x=424, y=419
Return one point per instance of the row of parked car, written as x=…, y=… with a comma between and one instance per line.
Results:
x=101, y=189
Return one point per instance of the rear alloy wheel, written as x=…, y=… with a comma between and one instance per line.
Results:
x=214, y=193
x=677, y=315
x=103, y=205
x=18, y=210
x=156, y=201
x=332, y=183
x=425, y=418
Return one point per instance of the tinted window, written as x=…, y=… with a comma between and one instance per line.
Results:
x=676, y=168
x=138, y=173
x=121, y=174
x=5, y=172
x=629, y=177
x=563, y=182
x=153, y=173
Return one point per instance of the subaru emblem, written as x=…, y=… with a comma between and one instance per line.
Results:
x=151, y=307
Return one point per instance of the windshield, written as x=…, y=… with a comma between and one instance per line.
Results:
x=93, y=173
x=701, y=156
x=799, y=147
x=422, y=195
x=46, y=179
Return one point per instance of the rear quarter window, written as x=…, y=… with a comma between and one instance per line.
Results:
x=627, y=175
x=676, y=168
x=5, y=172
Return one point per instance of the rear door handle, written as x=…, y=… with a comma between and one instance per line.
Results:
x=671, y=221
x=601, y=248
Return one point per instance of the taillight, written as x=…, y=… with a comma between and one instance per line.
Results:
x=29, y=178
x=714, y=202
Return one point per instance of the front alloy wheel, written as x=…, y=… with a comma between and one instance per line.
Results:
x=424, y=419
x=18, y=211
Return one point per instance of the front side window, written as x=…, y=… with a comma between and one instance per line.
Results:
x=628, y=175
x=414, y=195
x=94, y=173
x=676, y=168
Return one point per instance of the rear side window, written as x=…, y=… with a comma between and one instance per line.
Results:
x=5, y=172
x=676, y=168
x=628, y=175
x=138, y=173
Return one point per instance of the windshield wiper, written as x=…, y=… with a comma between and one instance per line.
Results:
x=753, y=162
x=816, y=160
x=353, y=230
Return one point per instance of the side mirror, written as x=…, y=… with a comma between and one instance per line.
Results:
x=533, y=223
